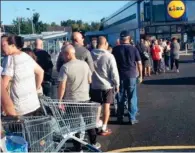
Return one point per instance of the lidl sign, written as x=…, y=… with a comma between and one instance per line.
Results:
x=176, y=9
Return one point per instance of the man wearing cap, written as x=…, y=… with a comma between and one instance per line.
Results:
x=127, y=58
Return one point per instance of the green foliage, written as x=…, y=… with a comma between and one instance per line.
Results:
x=25, y=25
x=79, y=25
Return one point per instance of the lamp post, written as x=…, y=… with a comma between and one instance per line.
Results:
x=32, y=18
x=19, y=20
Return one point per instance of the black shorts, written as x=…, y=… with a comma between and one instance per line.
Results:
x=102, y=96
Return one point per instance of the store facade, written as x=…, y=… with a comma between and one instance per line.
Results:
x=155, y=18
x=126, y=18
x=168, y=18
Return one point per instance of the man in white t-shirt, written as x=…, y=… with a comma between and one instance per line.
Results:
x=23, y=88
x=6, y=102
x=19, y=71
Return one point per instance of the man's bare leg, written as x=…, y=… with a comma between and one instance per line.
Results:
x=106, y=116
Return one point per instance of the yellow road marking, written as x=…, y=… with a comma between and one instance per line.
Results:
x=152, y=148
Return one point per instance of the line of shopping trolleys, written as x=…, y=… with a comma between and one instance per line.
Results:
x=61, y=119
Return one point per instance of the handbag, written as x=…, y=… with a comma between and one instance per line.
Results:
x=146, y=55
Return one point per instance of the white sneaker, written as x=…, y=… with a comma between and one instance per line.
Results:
x=97, y=145
x=177, y=71
x=99, y=124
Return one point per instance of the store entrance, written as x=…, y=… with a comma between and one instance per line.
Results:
x=177, y=35
x=164, y=36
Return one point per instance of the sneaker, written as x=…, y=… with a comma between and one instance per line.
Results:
x=167, y=68
x=97, y=145
x=105, y=132
x=134, y=122
x=177, y=71
x=99, y=124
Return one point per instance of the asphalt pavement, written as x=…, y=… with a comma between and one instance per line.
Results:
x=166, y=120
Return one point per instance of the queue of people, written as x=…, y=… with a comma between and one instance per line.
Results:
x=100, y=75
x=159, y=56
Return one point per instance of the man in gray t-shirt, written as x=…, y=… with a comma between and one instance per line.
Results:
x=75, y=77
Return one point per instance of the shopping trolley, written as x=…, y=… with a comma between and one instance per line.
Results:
x=71, y=118
x=36, y=130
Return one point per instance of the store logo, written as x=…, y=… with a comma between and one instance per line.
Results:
x=176, y=9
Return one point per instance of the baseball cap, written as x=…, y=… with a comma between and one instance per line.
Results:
x=124, y=33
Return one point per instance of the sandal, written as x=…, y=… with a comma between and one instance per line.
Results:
x=105, y=132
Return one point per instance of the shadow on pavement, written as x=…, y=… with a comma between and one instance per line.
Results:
x=173, y=81
x=186, y=61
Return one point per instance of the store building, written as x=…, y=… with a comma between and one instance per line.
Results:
x=154, y=18
x=126, y=18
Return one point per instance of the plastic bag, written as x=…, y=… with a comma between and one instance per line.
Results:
x=16, y=144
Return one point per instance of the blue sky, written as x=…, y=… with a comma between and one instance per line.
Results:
x=55, y=11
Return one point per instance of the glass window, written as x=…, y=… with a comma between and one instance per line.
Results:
x=166, y=29
x=159, y=36
x=147, y=11
x=173, y=28
x=163, y=29
x=167, y=36
x=158, y=8
x=142, y=11
x=150, y=29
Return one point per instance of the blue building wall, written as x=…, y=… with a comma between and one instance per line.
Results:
x=146, y=14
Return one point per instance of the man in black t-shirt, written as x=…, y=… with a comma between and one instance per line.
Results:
x=44, y=60
x=127, y=58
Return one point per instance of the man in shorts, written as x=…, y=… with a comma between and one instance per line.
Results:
x=75, y=78
x=104, y=79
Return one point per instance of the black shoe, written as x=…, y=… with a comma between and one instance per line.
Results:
x=120, y=120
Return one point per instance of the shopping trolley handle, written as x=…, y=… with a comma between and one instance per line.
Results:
x=12, y=118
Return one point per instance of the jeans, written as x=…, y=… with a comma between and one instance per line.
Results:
x=167, y=60
x=162, y=64
x=174, y=61
x=128, y=87
x=156, y=64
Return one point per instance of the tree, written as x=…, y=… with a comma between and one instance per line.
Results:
x=53, y=24
x=42, y=27
x=75, y=27
x=95, y=26
x=36, y=21
x=26, y=25
x=23, y=24
x=79, y=25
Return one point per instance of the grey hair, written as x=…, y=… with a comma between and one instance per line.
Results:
x=66, y=48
